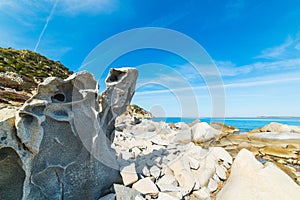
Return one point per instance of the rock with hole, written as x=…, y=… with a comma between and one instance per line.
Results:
x=56, y=145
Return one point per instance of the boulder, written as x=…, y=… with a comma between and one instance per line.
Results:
x=56, y=145
x=249, y=179
x=202, y=131
x=183, y=174
x=125, y=193
x=224, y=128
x=145, y=186
x=129, y=174
x=182, y=137
x=182, y=126
x=277, y=127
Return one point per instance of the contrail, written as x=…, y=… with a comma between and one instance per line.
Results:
x=46, y=25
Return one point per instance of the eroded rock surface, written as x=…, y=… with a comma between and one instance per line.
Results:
x=55, y=146
x=277, y=127
x=249, y=179
x=120, y=85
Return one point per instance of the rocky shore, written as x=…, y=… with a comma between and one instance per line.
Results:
x=196, y=161
x=67, y=143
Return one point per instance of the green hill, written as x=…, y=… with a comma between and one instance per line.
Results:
x=135, y=110
x=20, y=73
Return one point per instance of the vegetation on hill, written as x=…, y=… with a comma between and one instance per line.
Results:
x=21, y=71
x=135, y=110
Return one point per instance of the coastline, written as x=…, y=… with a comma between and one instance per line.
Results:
x=243, y=124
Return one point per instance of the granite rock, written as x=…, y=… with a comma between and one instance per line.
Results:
x=57, y=144
x=250, y=179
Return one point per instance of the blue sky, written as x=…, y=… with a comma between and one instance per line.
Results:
x=255, y=45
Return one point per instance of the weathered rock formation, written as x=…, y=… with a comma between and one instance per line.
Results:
x=55, y=146
x=249, y=179
x=120, y=85
x=277, y=127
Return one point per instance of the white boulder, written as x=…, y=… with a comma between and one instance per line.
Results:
x=203, y=131
x=249, y=179
x=129, y=174
x=145, y=186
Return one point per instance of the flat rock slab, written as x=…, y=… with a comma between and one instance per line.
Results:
x=277, y=135
x=249, y=179
x=145, y=186
x=129, y=174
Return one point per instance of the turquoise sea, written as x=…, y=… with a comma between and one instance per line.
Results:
x=244, y=124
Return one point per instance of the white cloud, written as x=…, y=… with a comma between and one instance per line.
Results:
x=277, y=51
x=249, y=82
x=188, y=79
x=289, y=49
x=227, y=68
x=268, y=81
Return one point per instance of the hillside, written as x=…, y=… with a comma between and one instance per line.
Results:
x=20, y=73
x=135, y=110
